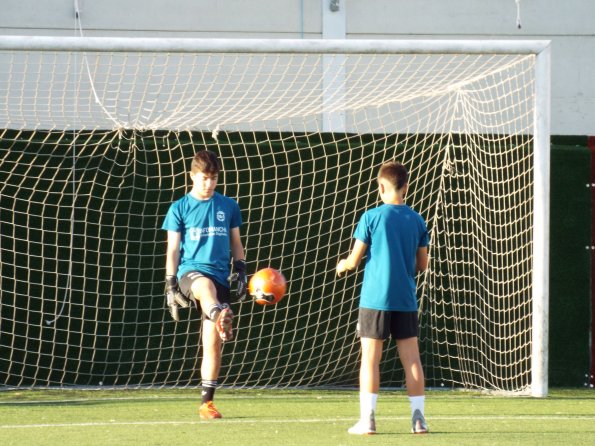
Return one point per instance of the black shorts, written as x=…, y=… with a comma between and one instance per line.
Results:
x=223, y=293
x=379, y=324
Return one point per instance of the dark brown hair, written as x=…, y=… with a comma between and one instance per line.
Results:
x=207, y=162
x=395, y=173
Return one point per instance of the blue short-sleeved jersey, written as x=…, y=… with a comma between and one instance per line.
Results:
x=393, y=234
x=205, y=226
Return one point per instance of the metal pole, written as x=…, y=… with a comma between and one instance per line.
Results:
x=541, y=229
x=304, y=46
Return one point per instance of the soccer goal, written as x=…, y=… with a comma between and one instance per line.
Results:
x=96, y=135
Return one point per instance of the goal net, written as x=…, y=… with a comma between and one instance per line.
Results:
x=96, y=136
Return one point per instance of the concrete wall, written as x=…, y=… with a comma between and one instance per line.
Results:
x=568, y=24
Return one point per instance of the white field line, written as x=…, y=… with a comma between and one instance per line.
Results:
x=290, y=421
x=194, y=397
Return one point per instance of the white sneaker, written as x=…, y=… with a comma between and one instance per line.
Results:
x=363, y=428
x=418, y=423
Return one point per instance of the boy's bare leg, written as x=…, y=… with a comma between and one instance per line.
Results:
x=211, y=359
x=414, y=375
x=369, y=381
x=369, y=376
x=205, y=292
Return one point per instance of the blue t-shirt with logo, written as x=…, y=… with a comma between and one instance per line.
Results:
x=393, y=234
x=205, y=226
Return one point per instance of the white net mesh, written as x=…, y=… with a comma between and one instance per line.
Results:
x=95, y=146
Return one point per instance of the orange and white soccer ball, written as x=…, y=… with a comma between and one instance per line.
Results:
x=267, y=286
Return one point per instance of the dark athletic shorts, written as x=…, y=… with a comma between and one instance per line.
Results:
x=223, y=294
x=378, y=324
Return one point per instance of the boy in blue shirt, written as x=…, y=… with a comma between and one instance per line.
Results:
x=203, y=228
x=395, y=240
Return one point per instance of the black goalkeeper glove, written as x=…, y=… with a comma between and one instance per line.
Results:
x=175, y=298
x=240, y=276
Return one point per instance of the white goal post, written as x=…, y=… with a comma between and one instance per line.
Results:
x=95, y=138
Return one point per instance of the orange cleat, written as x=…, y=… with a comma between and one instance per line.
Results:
x=224, y=324
x=208, y=411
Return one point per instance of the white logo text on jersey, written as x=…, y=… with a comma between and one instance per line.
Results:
x=210, y=231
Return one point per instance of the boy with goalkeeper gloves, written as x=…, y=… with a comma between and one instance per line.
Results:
x=395, y=239
x=203, y=228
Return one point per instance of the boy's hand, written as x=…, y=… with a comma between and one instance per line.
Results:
x=240, y=274
x=175, y=298
x=341, y=267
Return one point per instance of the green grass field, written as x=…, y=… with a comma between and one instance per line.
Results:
x=275, y=417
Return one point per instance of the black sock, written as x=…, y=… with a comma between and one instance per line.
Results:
x=208, y=390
